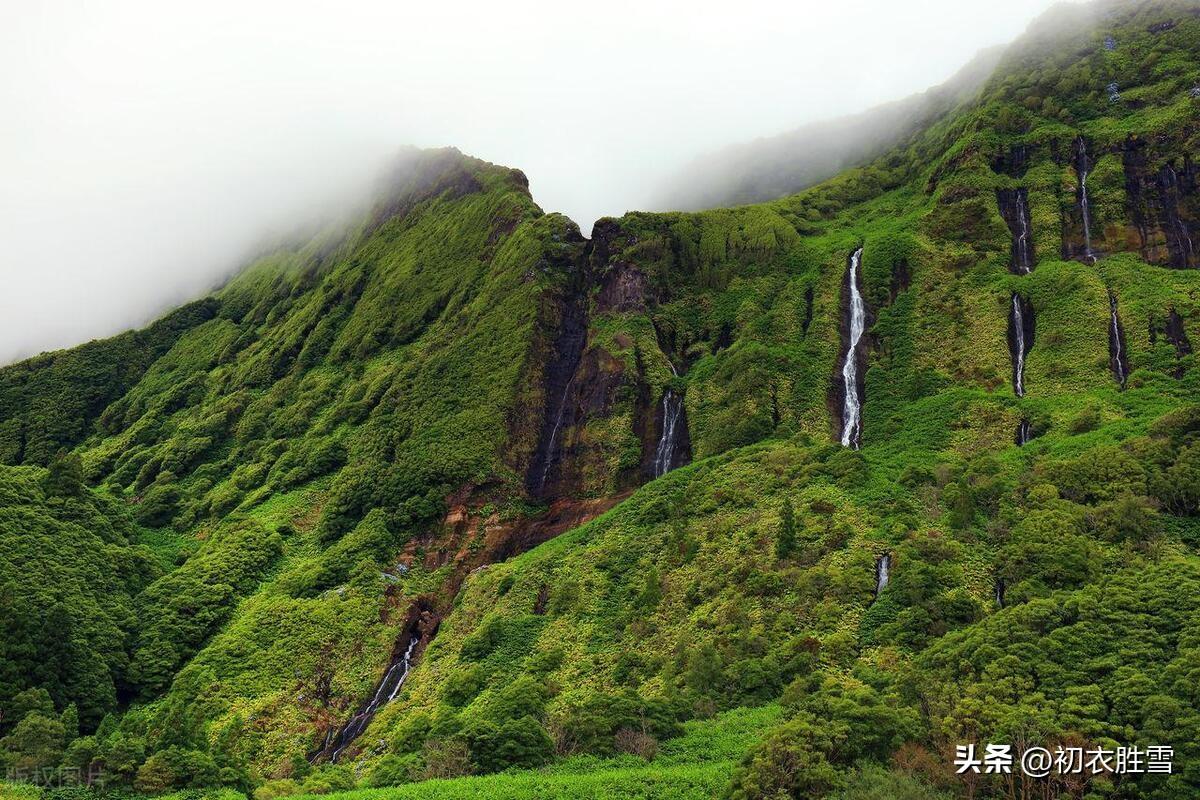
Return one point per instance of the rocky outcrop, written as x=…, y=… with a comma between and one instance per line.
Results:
x=418, y=629
x=624, y=288
x=1177, y=336
x=1014, y=208
x=1078, y=229
x=1012, y=162
x=558, y=379
x=901, y=280
x=1163, y=203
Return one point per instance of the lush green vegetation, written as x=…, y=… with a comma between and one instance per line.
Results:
x=215, y=533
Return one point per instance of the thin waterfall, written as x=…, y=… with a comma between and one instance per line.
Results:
x=1024, y=256
x=1019, y=352
x=1082, y=167
x=1024, y=432
x=882, y=568
x=385, y=693
x=1175, y=223
x=558, y=420
x=1014, y=209
x=852, y=403
x=560, y=382
x=1116, y=343
x=664, y=455
x=1020, y=339
x=1000, y=592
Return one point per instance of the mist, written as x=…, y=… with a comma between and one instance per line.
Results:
x=148, y=149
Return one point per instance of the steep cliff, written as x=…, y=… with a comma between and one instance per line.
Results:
x=456, y=489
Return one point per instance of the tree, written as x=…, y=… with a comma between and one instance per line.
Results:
x=651, y=594
x=31, y=701
x=785, y=540
x=36, y=742
x=70, y=721
x=65, y=478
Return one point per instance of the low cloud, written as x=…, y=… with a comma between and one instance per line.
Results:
x=148, y=148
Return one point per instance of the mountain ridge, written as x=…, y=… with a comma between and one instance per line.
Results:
x=437, y=436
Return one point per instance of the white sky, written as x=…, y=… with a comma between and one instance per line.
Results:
x=145, y=146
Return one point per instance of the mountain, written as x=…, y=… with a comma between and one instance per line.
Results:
x=788, y=499
x=776, y=166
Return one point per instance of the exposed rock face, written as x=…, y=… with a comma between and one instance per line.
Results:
x=1014, y=208
x=1178, y=337
x=624, y=288
x=808, y=310
x=1163, y=202
x=419, y=628
x=901, y=280
x=589, y=382
x=1077, y=225
x=1024, y=433
x=561, y=401
x=1012, y=163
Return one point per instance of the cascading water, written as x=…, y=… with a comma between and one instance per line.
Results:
x=664, y=455
x=882, y=566
x=560, y=382
x=554, y=430
x=1014, y=208
x=1082, y=167
x=1024, y=433
x=1176, y=229
x=385, y=693
x=852, y=403
x=1116, y=343
x=1024, y=255
x=1000, y=592
x=1020, y=339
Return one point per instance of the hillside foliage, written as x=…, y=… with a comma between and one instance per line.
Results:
x=433, y=432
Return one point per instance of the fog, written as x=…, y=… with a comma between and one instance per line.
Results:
x=146, y=148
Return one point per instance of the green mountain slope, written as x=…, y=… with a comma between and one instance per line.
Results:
x=454, y=490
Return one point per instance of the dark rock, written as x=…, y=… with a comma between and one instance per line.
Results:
x=1163, y=205
x=1178, y=337
x=1020, y=339
x=901, y=280
x=1014, y=162
x=1014, y=208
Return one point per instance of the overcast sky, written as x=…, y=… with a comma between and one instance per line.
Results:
x=145, y=147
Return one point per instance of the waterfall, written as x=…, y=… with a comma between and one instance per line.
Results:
x=851, y=403
x=1000, y=592
x=558, y=420
x=1082, y=167
x=559, y=380
x=1175, y=223
x=385, y=693
x=1019, y=346
x=1014, y=209
x=1024, y=433
x=667, y=443
x=1116, y=343
x=1024, y=257
x=881, y=572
